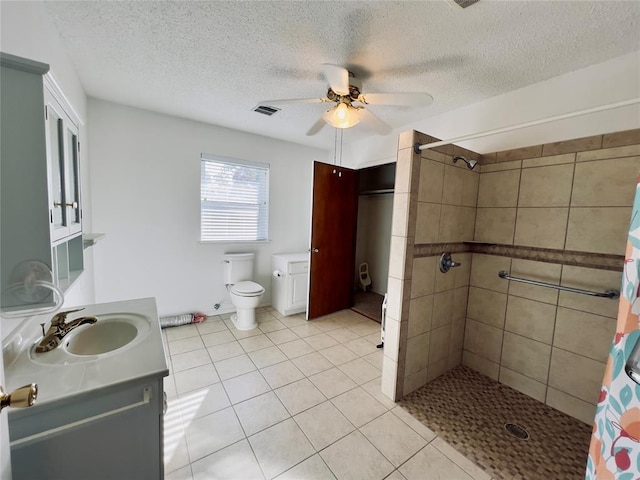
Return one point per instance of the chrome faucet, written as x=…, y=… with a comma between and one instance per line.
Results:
x=59, y=328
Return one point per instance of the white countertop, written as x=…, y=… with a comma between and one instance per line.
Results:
x=293, y=257
x=145, y=357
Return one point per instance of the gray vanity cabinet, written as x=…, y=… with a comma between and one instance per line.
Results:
x=110, y=433
x=38, y=149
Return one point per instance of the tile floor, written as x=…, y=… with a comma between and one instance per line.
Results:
x=292, y=400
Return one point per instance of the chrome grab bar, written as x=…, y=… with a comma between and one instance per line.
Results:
x=612, y=294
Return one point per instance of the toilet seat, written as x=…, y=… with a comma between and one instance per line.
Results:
x=247, y=289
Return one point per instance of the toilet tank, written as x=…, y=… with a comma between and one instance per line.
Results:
x=237, y=267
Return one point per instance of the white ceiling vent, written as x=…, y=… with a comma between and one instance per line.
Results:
x=266, y=110
x=464, y=3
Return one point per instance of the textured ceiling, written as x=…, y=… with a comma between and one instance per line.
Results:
x=214, y=61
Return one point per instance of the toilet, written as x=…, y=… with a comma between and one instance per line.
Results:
x=245, y=294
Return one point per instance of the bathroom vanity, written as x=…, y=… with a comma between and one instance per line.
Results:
x=99, y=414
x=290, y=282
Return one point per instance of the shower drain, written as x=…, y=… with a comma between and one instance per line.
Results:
x=517, y=431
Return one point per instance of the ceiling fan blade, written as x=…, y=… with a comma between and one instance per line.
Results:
x=316, y=127
x=338, y=78
x=374, y=122
x=287, y=101
x=399, y=99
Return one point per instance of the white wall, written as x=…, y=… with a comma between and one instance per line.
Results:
x=373, y=242
x=146, y=197
x=26, y=30
x=602, y=84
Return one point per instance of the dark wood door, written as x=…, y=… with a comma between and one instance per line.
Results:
x=333, y=239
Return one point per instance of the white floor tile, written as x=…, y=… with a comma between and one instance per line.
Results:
x=211, y=326
x=176, y=454
x=235, y=462
x=360, y=347
x=358, y=406
x=297, y=348
x=195, y=378
x=313, y=468
x=260, y=412
x=396, y=475
x=201, y=402
x=267, y=356
x=323, y=425
x=256, y=342
x=342, y=334
x=183, y=331
x=299, y=396
x=233, y=367
x=271, y=325
x=376, y=358
x=327, y=325
x=182, y=474
x=169, y=385
x=281, y=374
x=217, y=338
x=312, y=363
x=282, y=336
x=432, y=464
x=292, y=321
x=354, y=458
x=213, y=432
x=245, y=386
x=366, y=328
x=305, y=330
x=424, y=431
x=195, y=358
x=321, y=341
x=338, y=354
x=224, y=351
x=360, y=371
x=394, y=438
x=332, y=382
x=280, y=447
x=463, y=462
x=240, y=334
x=185, y=345
x=373, y=389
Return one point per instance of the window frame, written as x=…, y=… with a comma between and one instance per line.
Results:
x=263, y=212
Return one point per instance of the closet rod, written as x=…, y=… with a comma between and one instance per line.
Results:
x=418, y=148
x=612, y=294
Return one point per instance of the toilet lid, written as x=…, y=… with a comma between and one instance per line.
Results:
x=247, y=288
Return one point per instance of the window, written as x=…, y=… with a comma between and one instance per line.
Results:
x=234, y=200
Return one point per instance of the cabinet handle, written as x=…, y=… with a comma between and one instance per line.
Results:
x=72, y=205
x=20, y=398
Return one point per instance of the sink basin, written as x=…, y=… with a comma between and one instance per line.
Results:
x=101, y=337
x=111, y=334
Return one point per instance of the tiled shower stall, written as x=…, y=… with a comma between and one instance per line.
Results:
x=557, y=213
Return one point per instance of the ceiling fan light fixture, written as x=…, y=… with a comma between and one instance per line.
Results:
x=342, y=115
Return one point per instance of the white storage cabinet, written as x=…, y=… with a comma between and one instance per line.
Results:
x=290, y=282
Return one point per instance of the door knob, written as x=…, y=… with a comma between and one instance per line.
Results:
x=315, y=250
x=20, y=398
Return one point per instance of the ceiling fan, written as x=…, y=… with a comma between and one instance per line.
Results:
x=349, y=109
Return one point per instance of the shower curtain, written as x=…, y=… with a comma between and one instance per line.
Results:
x=615, y=442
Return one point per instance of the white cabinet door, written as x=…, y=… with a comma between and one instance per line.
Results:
x=297, y=291
x=64, y=172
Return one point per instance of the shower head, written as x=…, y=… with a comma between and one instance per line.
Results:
x=470, y=163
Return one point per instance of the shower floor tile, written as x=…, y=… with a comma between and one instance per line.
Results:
x=469, y=411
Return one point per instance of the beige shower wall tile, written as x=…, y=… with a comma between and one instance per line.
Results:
x=439, y=344
x=606, y=183
x=576, y=375
x=442, y=309
x=398, y=257
x=501, y=166
x=404, y=164
x=459, y=310
x=407, y=139
x=539, y=271
x=427, y=222
x=431, y=181
x=451, y=224
x=484, y=272
x=523, y=384
x=414, y=381
x=617, y=139
x=417, y=353
x=480, y=364
x=617, y=152
x=433, y=155
x=495, y=225
x=546, y=186
x=455, y=358
x=575, y=145
x=519, y=153
x=483, y=340
x=445, y=281
x=467, y=224
x=590, y=279
x=401, y=216
x=470, y=181
x=552, y=160
x=598, y=230
x=456, y=335
x=530, y=319
x=420, y=314
x=499, y=189
x=437, y=368
x=526, y=356
x=422, y=276
x=453, y=185
x=584, y=333
x=462, y=272
x=572, y=406
x=541, y=227
x=487, y=306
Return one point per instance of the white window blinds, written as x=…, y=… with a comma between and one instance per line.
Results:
x=234, y=200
